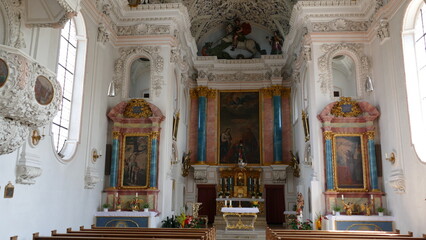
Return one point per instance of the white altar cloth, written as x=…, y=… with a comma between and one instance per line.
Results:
x=125, y=214
x=239, y=210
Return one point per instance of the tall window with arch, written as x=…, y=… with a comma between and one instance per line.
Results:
x=70, y=74
x=414, y=47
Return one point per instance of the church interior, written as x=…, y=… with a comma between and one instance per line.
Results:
x=303, y=114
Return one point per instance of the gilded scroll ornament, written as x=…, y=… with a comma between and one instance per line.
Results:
x=137, y=108
x=346, y=107
x=116, y=135
x=155, y=135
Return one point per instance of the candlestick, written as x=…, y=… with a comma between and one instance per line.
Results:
x=371, y=196
x=116, y=194
x=136, y=194
x=343, y=197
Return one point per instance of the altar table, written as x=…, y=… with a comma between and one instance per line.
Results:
x=239, y=212
x=360, y=223
x=125, y=219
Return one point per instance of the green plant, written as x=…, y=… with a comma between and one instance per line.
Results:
x=380, y=209
x=170, y=223
x=337, y=208
x=106, y=205
x=145, y=205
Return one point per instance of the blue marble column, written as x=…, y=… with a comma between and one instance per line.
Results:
x=372, y=161
x=114, y=160
x=329, y=161
x=153, y=161
x=277, y=137
x=202, y=134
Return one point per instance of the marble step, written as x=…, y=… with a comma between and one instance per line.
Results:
x=240, y=234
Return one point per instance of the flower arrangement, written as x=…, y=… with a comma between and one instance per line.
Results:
x=134, y=204
x=183, y=221
x=318, y=221
x=299, y=225
x=255, y=203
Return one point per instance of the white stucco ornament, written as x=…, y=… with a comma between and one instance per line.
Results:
x=29, y=97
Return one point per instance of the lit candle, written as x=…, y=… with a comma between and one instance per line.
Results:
x=116, y=194
x=136, y=194
x=343, y=197
x=371, y=196
x=226, y=203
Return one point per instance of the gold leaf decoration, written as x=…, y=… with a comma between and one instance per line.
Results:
x=137, y=108
x=346, y=107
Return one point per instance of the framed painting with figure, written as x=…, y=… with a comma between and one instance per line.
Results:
x=43, y=90
x=4, y=72
x=349, y=162
x=239, y=127
x=134, y=161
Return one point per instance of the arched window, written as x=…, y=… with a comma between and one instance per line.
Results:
x=414, y=43
x=70, y=73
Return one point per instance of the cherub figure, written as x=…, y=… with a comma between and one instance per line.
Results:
x=348, y=207
x=366, y=207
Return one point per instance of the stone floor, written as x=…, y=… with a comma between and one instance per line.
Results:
x=257, y=234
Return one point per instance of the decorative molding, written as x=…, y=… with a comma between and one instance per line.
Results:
x=91, y=178
x=13, y=21
x=383, y=30
x=143, y=29
x=19, y=109
x=353, y=50
x=27, y=174
x=28, y=167
x=340, y=109
x=397, y=181
x=239, y=77
x=122, y=65
x=12, y=135
x=203, y=92
x=103, y=34
x=279, y=174
x=340, y=25
x=17, y=96
x=200, y=173
x=137, y=108
x=307, y=53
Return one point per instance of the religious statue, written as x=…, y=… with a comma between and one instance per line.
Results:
x=276, y=43
x=300, y=203
x=186, y=163
x=366, y=207
x=295, y=165
x=348, y=207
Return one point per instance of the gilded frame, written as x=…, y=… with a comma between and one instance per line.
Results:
x=349, y=162
x=240, y=112
x=305, y=121
x=4, y=72
x=135, y=157
x=175, y=125
x=9, y=190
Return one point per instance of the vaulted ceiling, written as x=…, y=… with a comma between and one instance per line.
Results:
x=208, y=14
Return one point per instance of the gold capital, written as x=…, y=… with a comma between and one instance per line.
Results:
x=203, y=92
x=328, y=135
x=116, y=135
x=155, y=135
x=370, y=135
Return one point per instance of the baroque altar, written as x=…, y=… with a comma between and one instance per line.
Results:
x=234, y=217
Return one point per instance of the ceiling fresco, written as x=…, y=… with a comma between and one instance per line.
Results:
x=274, y=15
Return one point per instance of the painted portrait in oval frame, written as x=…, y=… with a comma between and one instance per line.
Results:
x=43, y=90
x=4, y=72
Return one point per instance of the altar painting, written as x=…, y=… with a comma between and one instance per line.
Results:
x=348, y=162
x=239, y=127
x=134, y=162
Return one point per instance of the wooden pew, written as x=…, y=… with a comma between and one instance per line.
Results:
x=170, y=235
x=275, y=234
x=210, y=233
x=36, y=236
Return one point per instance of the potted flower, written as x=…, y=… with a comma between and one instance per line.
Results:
x=380, y=210
x=145, y=207
x=336, y=210
x=105, y=206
